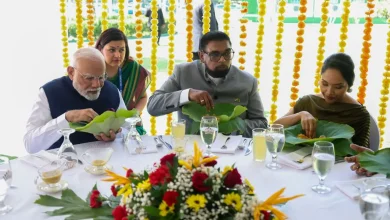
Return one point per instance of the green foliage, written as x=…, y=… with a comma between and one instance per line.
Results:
x=130, y=28
x=73, y=206
x=376, y=162
x=338, y=134
x=227, y=114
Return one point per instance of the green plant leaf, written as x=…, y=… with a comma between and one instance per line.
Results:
x=73, y=206
x=227, y=114
x=223, y=111
x=9, y=157
x=338, y=134
x=152, y=211
x=376, y=162
x=105, y=122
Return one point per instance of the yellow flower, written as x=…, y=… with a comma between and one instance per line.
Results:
x=251, y=188
x=165, y=209
x=196, y=202
x=234, y=200
x=226, y=170
x=144, y=185
x=119, y=180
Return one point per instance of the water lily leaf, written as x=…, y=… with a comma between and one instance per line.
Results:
x=339, y=134
x=105, y=122
x=378, y=161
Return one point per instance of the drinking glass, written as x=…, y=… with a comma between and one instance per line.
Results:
x=208, y=132
x=323, y=160
x=133, y=137
x=374, y=202
x=178, y=129
x=5, y=183
x=259, y=146
x=67, y=150
x=275, y=139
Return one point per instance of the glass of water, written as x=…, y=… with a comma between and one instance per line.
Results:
x=5, y=183
x=274, y=139
x=374, y=202
x=323, y=160
x=208, y=132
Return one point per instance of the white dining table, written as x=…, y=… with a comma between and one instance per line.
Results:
x=334, y=206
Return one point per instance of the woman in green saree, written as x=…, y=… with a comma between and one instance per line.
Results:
x=131, y=78
x=333, y=103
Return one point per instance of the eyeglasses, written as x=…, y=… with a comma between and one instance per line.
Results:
x=215, y=56
x=91, y=78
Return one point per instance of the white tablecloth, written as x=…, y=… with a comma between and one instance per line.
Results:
x=312, y=206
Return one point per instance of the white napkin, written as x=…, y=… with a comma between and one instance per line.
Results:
x=148, y=142
x=39, y=159
x=290, y=158
x=232, y=144
x=350, y=188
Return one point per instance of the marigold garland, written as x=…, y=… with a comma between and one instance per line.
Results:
x=138, y=32
x=121, y=7
x=243, y=21
x=90, y=22
x=344, y=25
x=384, y=92
x=104, y=15
x=189, y=28
x=321, y=44
x=298, y=53
x=365, y=56
x=226, y=16
x=260, y=34
x=64, y=29
x=79, y=24
x=171, y=51
x=206, y=16
x=278, y=57
x=153, y=59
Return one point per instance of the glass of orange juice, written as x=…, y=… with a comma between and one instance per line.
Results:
x=178, y=129
x=259, y=146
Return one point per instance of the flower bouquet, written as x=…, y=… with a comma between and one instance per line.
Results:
x=182, y=187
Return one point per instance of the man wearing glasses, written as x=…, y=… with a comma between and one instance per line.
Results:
x=211, y=79
x=78, y=98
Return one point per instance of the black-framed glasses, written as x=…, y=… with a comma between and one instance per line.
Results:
x=90, y=78
x=215, y=56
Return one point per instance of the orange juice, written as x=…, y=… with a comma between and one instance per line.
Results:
x=51, y=177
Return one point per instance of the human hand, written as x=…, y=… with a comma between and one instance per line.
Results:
x=80, y=115
x=309, y=124
x=201, y=97
x=110, y=137
x=354, y=159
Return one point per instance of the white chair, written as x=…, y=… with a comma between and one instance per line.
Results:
x=374, y=135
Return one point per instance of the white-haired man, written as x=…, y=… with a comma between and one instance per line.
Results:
x=78, y=97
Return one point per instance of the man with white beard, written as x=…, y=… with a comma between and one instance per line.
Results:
x=78, y=97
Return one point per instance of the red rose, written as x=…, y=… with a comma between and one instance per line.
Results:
x=167, y=159
x=170, y=197
x=210, y=164
x=232, y=178
x=94, y=200
x=160, y=176
x=119, y=213
x=113, y=190
x=198, y=182
x=267, y=215
x=129, y=172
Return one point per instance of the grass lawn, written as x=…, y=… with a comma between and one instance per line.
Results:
x=162, y=63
